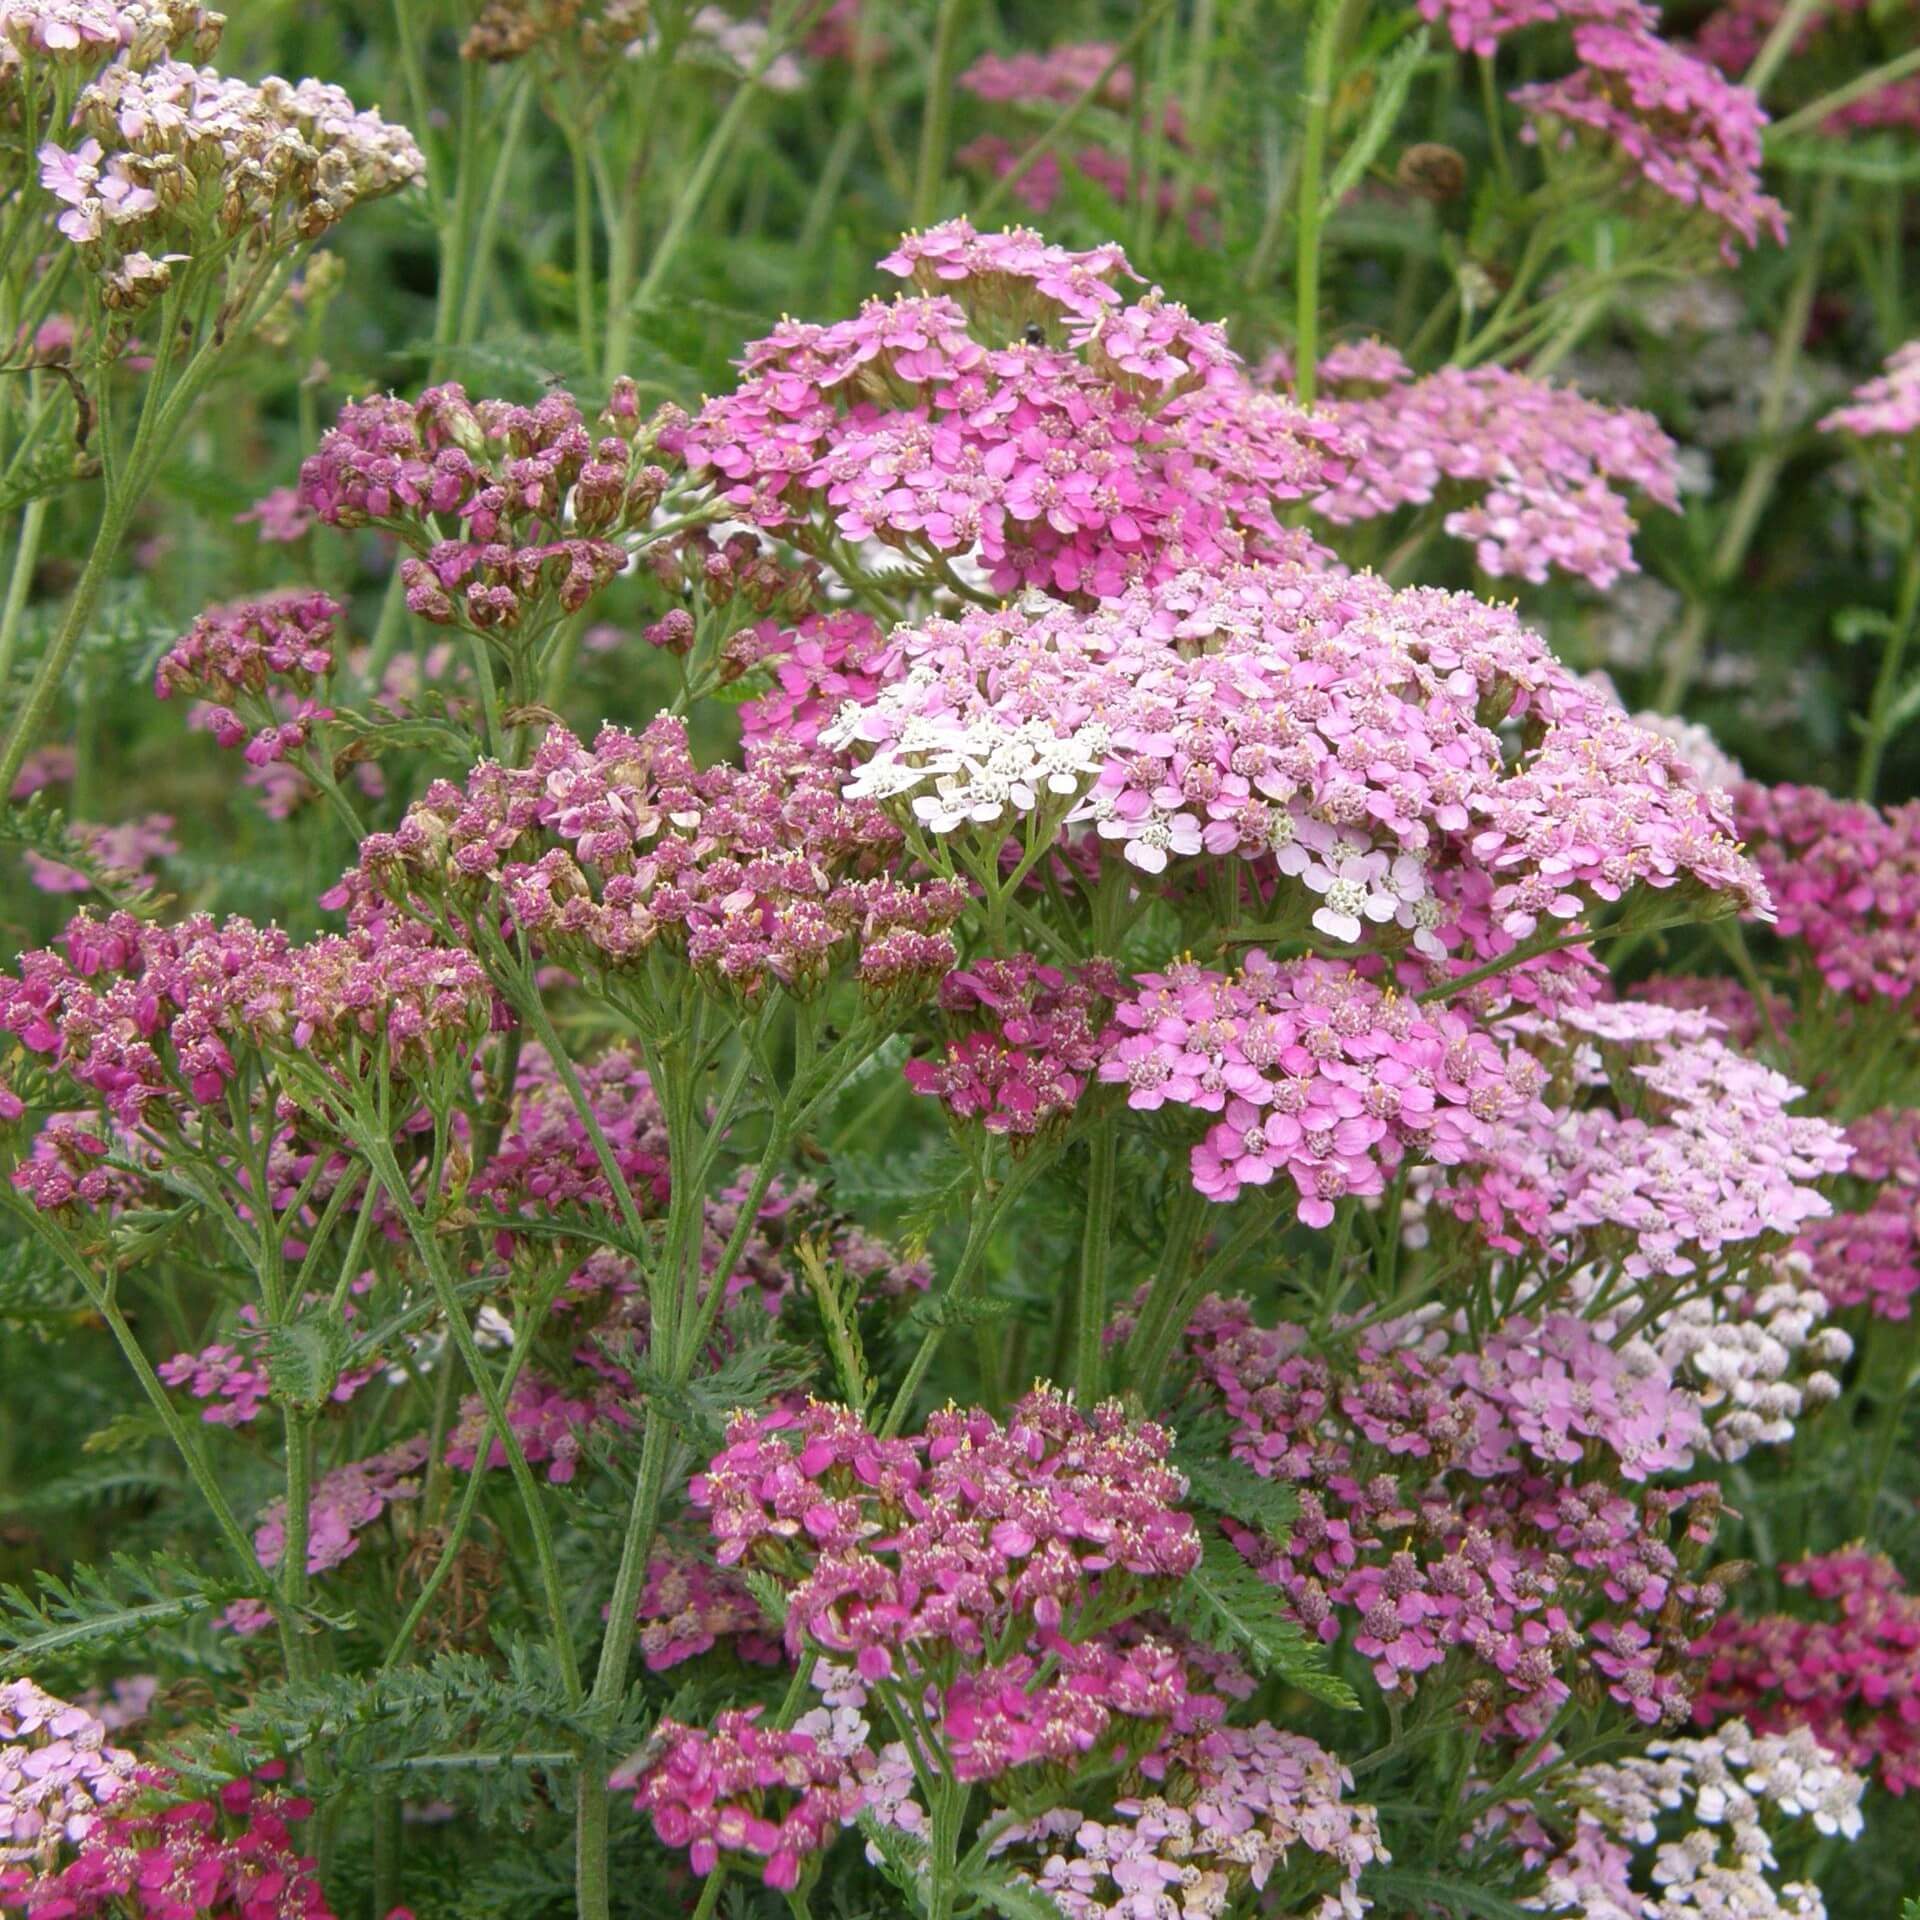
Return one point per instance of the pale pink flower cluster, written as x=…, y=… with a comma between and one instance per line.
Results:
x=1338, y=732
x=1231, y=1807
x=75, y=34
x=1700, y=1161
x=1691, y=134
x=56, y=1772
x=1545, y=473
x=128, y=849
x=345, y=1503
x=1887, y=407
x=277, y=162
x=1019, y=412
x=1314, y=1071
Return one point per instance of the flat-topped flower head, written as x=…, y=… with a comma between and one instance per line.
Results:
x=1338, y=734
x=1692, y=135
x=152, y=1021
x=1548, y=473
x=1015, y=412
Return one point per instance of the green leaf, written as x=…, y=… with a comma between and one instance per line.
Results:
x=946, y=1310
x=1226, y=1486
x=305, y=1359
x=769, y=1595
x=100, y=1607
x=38, y=826
x=1226, y=1605
x=903, y=1857
x=1851, y=625
x=1448, y=1891
x=1012, y=1899
x=1394, y=77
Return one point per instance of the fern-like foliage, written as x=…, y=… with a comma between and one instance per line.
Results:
x=1224, y=1604
x=36, y=825
x=99, y=1607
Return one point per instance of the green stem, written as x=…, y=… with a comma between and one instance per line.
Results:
x=26, y=555
x=427, y=1243
x=1778, y=44
x=477, y=277
x=1096, y=1250
x=1762, y=474
x=1069, y=115
x=1322, y=56
x=692, y=197
x=938, y=117
x=1857, y=89
x=1886, y=686
x=582, y=241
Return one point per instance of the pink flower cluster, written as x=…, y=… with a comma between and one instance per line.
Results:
x=548, y=1422
x=1016, y=411
x=759, y=874
x=231, y=1375
x=1712, y=1161
x=1869, y=1256
x=1232, y=1806
x=1337, y=734
x=513, y=513
x=128, y=849
x=956, y=1563
x=228, y=1858
x=1545, y=471
x=345, y=1503
x=1314, y=1071
x=1478, y=26
x=151, y=1020
x=545, y=1159
x=1850, y=1677
x=77, y=33
x=816, y=668
x=56, y=1773
x=1022, y=1041
x=263, y=657
x=1460, y=1494
x=1888, y=406
x=687, y=1607
x=1845, y=877
x=744, y=1792
x=1691, y=134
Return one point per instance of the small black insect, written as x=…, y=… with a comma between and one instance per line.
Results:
x=1035, y=336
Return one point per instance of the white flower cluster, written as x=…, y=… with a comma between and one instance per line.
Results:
x=1756, y=1358
x=1737, y=1787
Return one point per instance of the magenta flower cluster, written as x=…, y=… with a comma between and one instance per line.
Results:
x=255, y=663
x=758, y=874
x=1846, y=883
x=1869, y=1255
x=1022, y=1042
x=1850, y=1674
x=232, y=1857
x=511, y=512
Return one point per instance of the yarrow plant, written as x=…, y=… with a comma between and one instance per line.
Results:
x=859, y=1061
